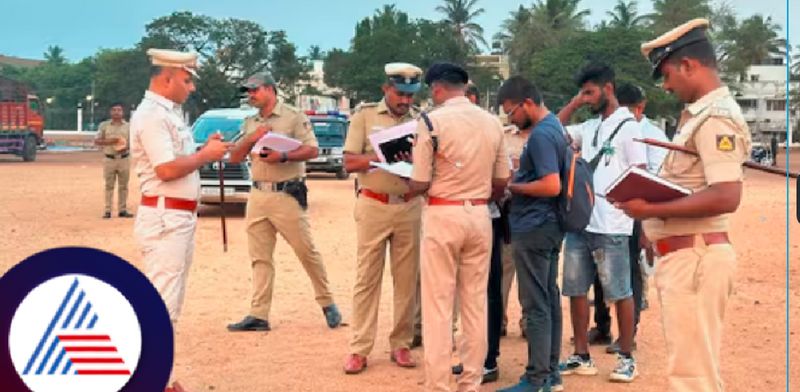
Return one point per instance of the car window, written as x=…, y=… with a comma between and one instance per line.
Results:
x=206, y=126
x=329, y=128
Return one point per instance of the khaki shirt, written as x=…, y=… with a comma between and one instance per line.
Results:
x=288, y=121
x=108, y=130
x=368, y=119
x=714, y=127
x=158, y=136
x=471, y=152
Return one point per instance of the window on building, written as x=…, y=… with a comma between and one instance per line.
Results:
x=747, y=104
x=776, y=105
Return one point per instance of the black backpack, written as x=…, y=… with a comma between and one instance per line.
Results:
x=576, y=200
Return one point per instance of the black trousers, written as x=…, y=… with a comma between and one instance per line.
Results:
x=495, y=295
x=602, y=314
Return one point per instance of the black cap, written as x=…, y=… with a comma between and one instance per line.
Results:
x=446, y=72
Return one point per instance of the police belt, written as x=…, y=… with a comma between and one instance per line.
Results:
x=120, y=156
x=439, y=201
x=384, y=198
x=172, y=203
x=275, y=186
x=668, y=245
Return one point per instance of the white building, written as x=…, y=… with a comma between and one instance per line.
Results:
x=762, y=97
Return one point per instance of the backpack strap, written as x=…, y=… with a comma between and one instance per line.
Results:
x=429, y=124
x=596, y=160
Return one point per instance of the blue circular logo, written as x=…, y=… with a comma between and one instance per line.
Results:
x=80, y=319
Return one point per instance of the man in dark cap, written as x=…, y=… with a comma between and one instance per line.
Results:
x=276, y=204
x=460, y=161
x=696, y=272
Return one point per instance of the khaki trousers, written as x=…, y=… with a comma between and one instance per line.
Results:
x=268, y=214
x=694, y=285
x=116, y=170
x=378, y=224
x=456, y=245
x=166, y=239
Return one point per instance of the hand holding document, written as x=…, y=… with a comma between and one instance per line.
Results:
x=277, y=142
x=400, y=168
x=392, y=143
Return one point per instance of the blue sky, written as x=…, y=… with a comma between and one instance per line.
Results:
x=28, y=27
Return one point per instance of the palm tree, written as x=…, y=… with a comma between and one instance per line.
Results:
x=795, y=66
x=55, y=55
x=757, y=40
x=460, y=15
x=559, y=15
x=626, y=16
x=672, y=13
x=511, y=27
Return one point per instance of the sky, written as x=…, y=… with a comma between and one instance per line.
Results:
x=29, y=27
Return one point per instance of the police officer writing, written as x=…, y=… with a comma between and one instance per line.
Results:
x=166, y=163
x=277, y=202
x=384, y=216
x=114, y=136
x=696, y=272
x=460, y=161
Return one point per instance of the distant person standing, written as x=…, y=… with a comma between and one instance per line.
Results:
x=114, y=136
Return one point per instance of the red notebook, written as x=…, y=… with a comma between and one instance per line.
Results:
x=638, y=183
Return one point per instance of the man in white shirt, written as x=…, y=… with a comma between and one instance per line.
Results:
x=632, y=97
x=602, y=248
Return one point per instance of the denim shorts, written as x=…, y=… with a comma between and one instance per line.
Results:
x=587, y=254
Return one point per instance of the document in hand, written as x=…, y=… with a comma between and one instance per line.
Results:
x=389, y=142
x=277, y=142
x=399, y=168
x=638, y=183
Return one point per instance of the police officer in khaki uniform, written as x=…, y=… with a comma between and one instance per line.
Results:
x=383, y=216
x=166, y=163
x=461, y=164
x=277, y=202
x=695, y=276
x=114, y=136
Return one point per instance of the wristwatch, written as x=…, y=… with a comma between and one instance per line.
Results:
x=284, y=157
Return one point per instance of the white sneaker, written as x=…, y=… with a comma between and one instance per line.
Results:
x=625, y=370
x=577, y=365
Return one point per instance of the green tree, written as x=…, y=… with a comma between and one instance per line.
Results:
x=669, y=14
x=753, y=41
x=287, y=68
x=626, y=16
x=315, y=53
x=461, y=15
x=553, y=69
x=121, y=75
x=55, y=55
x=184, y=31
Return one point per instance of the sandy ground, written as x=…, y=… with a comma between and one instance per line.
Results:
x=58, y=200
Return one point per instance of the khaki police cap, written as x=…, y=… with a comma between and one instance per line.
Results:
x=258, y=79
x=659, y=49
x=404, y=76
x=174, y=59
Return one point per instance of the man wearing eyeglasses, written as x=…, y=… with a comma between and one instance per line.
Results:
x=601, y=250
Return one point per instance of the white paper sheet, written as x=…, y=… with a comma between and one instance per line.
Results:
x=402, y=169
x=406, y=129
x=277, y=142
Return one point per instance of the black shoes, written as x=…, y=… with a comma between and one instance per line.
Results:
x=332, y=316
x=107, y=215
x=490, y=375
x=249, y=323
x=125, y=214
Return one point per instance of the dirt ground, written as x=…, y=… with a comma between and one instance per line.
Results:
x=58, y=200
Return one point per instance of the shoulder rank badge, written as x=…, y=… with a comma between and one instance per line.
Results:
x=725, y=143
